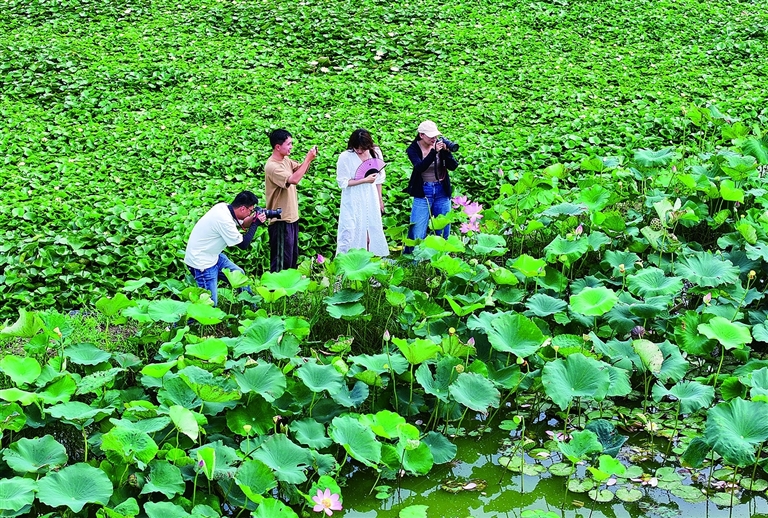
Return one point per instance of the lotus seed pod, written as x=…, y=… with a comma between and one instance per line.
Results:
x=459, y=368
x=752, y=274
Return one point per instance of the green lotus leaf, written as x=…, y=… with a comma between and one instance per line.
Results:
x=690, y=395
x=184, y=420
x=166, y=310
x=515, y=333
x=16, y=493
x=629, y=495
x=754, y=484
x=148, y=425
x=351, y=398
x=357, y=265
x=12, y=417
x=26, y=326
x=707, y=269
x=74, y=487
x=384, y=423
x=566, y=251
x=690, y=494
x=543, y=305
x=730, y=192
x=21, y=370
x=205, y=314
x=163, y=478
x=414, y=511
x=36, y=455
x=474, y=392
x=357, y=439
x=731, y=335
x=674, y=366
x=211, y=349
x=442, y=449
x=75, y=411
x=597, y=240
x=13, y=395
x=735, y=429
x=452, y=244
x=450, y=265
x=265, y=379
x=86, y=354
x=417, y=460
x=346, y=311
x=529, y=266
x=652, y=282
x=260, y=335
x=594, y=197
x=112, y=307
x=273, y=508
x=620, y=381
x=437, y=385
x=688, y=338
x=565, y=209
x=209, y=388
x=94, y=383
x=562, y=469
x=593, y=302
x=219, y=460
x=381, y=363
x=758, y=381
x=609, y=437
x=344, y=296
x=130, y=446
x=165, y=510
x=318, y=377
x=575, y=377
x=258, y=414
x=236, y=278
x=582, y=444
x=255, y=478
x=289, y=281
x=287, y=459
x=652, y=159
x=601, y=495
x=650, y=354
x=417, y=351
x=490, y=244
x=310, y=433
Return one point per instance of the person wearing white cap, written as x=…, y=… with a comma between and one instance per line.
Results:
x=430, y=184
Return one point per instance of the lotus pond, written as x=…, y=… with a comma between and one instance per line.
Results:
x=596, y=345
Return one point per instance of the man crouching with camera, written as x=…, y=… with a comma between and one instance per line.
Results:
x=216, y=230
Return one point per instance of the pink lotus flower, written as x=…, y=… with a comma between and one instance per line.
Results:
x=466, y=227
x=473, y=210
x=325, y=501
x=579, y=230
x=320, y=259
x=460, y=201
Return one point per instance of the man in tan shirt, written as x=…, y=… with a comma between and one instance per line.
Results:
x=282, y=175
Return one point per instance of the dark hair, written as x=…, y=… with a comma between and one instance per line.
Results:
x=245, y=199
x=361, y=139
x=277, y=137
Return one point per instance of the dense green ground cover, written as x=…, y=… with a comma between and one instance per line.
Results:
x=122, y=121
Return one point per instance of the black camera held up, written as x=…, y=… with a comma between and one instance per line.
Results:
x=450, y=146
x=269, y=213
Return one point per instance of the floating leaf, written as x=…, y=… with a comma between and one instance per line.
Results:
x=74, y=487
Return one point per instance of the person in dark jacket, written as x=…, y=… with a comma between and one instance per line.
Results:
x=430, y=184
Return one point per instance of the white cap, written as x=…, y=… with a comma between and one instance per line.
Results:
x=429, y=128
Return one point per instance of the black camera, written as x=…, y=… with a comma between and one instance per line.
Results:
x=269, y=213
x=450, y=146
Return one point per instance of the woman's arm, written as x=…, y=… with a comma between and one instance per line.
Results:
x=450, y=163
x=420, y=164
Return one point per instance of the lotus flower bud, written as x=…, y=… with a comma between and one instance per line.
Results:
x=386, y=335
x=471, y=341
x=707, y=298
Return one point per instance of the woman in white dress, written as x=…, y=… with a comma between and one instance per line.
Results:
x=361, y=202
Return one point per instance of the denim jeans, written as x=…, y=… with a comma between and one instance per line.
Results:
x=434, y=203
x=210, y=277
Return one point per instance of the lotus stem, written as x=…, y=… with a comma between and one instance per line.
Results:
x=757, y=458
x=719, y=366
x=462, y=419
x=674, y=432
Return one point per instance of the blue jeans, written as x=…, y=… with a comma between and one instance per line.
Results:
x=434, y=203
x=210, y=277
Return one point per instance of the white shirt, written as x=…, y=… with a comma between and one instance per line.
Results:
x=359, y=215
x=212, y=233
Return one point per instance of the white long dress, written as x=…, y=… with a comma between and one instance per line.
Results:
x=360, y=216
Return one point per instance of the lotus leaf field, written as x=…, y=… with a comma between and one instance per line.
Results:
x=613, y=155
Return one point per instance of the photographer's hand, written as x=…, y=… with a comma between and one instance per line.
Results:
x=439, y=146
